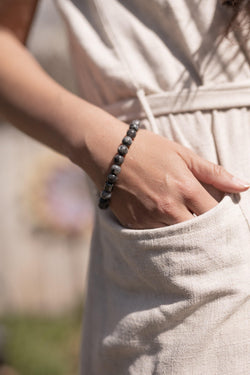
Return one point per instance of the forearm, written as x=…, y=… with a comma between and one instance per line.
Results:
x=38, y=106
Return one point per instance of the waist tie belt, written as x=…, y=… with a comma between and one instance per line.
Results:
x=204, y=98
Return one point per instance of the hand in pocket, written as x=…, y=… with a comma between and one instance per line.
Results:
x=159, y=184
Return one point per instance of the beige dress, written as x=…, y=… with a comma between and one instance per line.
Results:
x=173, y=300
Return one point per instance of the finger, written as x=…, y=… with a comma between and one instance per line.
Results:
x=180, y=215
x=214, y=174
x=200, y=201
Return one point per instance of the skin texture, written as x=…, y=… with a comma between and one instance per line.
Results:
x=152, y=191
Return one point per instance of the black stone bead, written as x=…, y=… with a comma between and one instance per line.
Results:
x=131, y=133
x=115, y=169
x=112, y=178
x=122, y=149
x=103, y=203
x=135, y=125
x=108, y=187
x=105, y=195
x=127, y=141
x=118, y=159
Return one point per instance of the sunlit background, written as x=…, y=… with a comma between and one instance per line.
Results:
x=45, y=225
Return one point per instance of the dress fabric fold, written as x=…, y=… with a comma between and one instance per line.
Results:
x=172, y=300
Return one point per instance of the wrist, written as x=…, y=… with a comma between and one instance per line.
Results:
x=96, y=137
x=118, y=160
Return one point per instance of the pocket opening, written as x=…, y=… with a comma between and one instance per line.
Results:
x=197, y=223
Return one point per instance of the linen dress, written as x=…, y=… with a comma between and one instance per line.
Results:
x=173, y=300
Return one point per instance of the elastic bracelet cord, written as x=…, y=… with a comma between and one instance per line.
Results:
x=105, y=195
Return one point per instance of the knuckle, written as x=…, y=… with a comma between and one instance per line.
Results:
x=187, y=187
x=190, y=157
x=217, y=170
x=166, y=206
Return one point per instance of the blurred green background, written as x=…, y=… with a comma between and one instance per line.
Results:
x=44, y=233
x=39, y=345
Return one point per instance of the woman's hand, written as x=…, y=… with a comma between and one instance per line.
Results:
x=159, y=183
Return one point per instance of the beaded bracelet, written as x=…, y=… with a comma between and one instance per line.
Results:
x=105, y=195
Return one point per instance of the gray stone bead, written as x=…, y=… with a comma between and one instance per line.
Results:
x=135, y=125
x=112, y=178
x=103, y=203
x=127, y=141
x=122, y=149
x=131, y=133
x=118, y=159
x=115, y=169
x=108, y=187
x=105, y=195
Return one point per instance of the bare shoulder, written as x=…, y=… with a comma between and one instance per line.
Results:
x=16, y=16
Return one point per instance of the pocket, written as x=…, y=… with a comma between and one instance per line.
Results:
x=245, y=205
x=172, y=229
x=161, y=284
x=164, y=259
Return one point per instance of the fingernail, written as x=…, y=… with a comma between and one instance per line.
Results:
x=240, y=182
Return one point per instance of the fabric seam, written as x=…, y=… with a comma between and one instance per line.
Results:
x=108, y=28
x=244, y=215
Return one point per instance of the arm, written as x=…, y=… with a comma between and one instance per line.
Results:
x=155, y=189
x=33, y=102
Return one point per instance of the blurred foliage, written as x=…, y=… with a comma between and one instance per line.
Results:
x=43, y=345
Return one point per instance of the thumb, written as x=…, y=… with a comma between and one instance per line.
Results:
x=214, y=174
